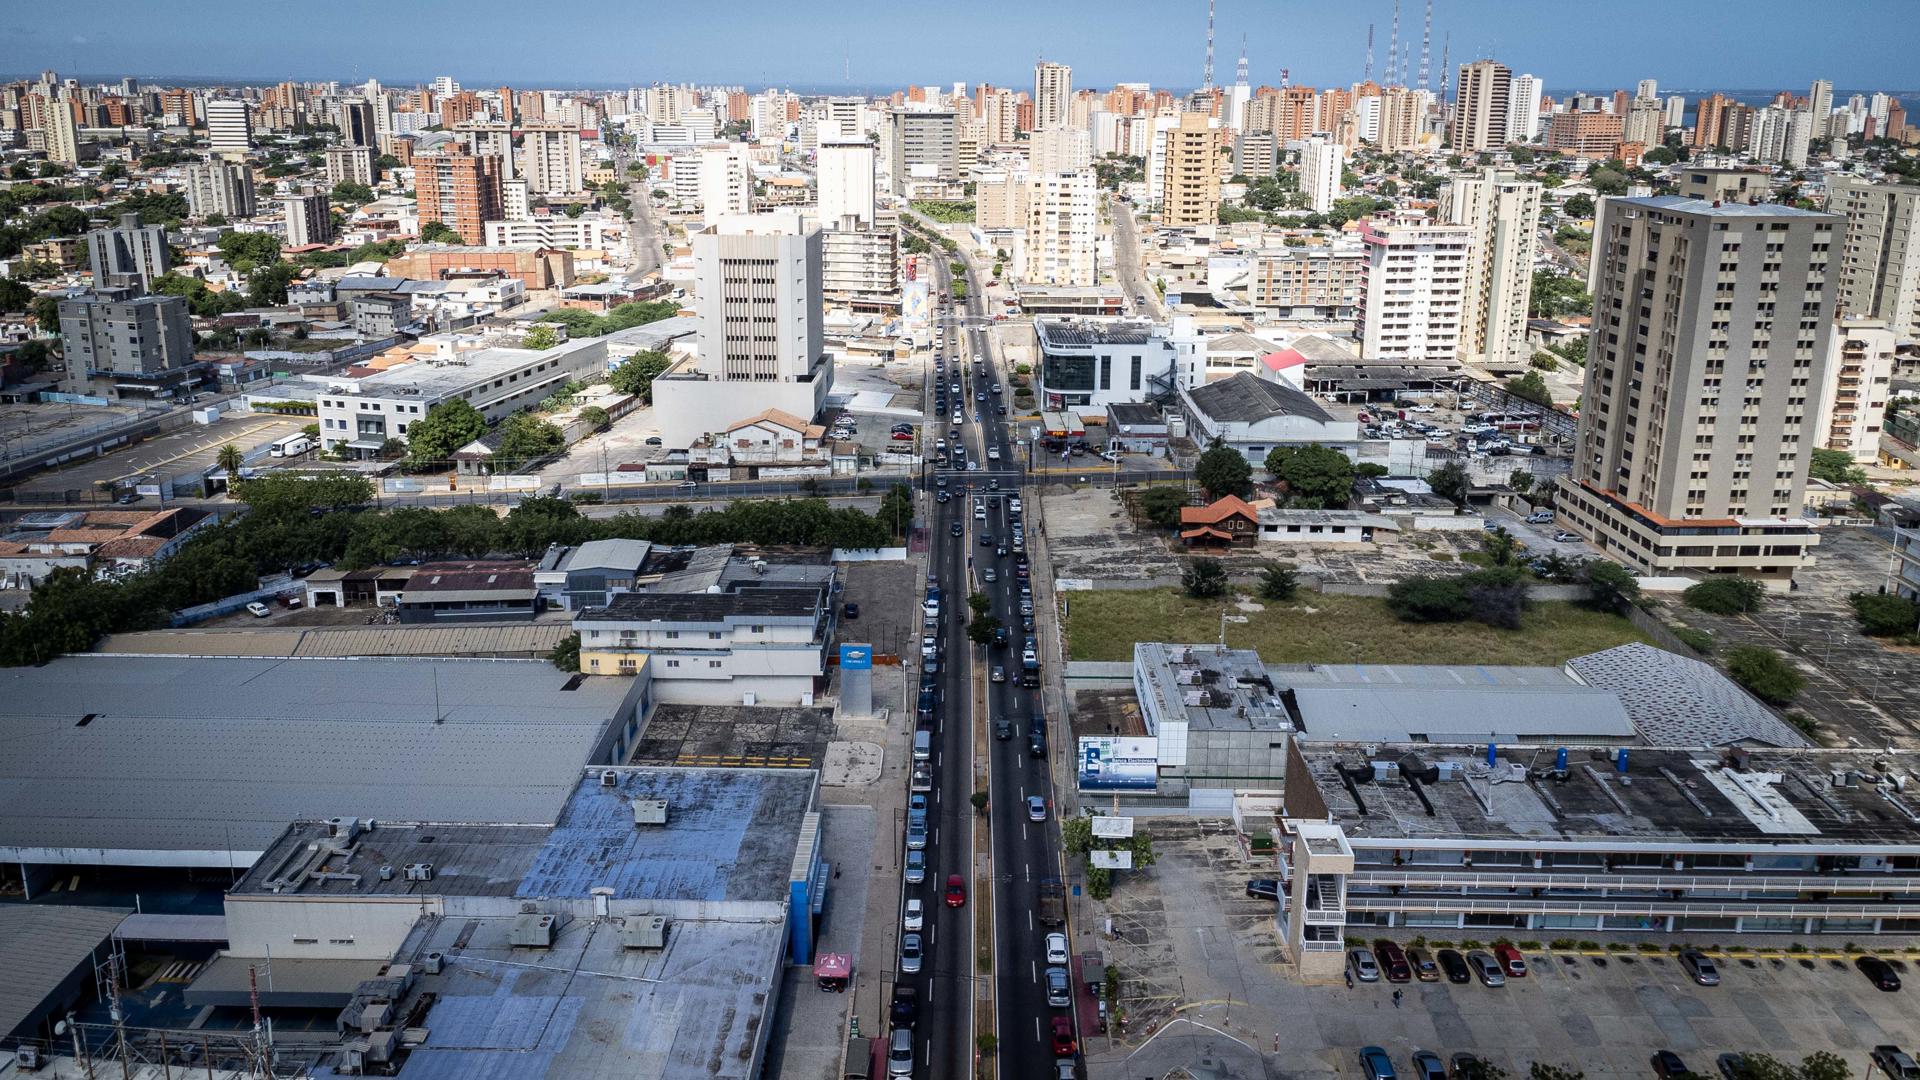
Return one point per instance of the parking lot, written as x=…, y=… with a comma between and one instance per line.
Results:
x=1202, y=984
x=191, y=450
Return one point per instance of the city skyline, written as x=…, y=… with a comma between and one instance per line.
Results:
x=867, y=46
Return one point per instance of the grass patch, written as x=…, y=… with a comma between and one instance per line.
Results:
x=1329, y=629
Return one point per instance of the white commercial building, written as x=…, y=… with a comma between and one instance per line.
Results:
x=229, y=127
x=557, y=231
x=1413, y=292
x=1321, y=161
x=1503, y=213
x=1254, y=415
x=1523, y=108
x=1099, y=362
x=757, y=286
x=726, y=181
x=1853, y=400
x=844, y=173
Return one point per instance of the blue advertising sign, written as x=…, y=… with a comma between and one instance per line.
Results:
x=1111, y=763
x=856, y=658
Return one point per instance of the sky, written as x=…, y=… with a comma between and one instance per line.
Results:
x=1862, y=45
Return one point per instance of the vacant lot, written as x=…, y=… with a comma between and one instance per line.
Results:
x=1326, y=629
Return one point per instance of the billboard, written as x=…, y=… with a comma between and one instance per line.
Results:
x=1112, y=763
x=856, y=658
x=1111, y=860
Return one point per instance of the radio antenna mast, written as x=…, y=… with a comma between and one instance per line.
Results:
x=1206, y=78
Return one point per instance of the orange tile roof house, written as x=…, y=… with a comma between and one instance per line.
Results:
x=1226, y=521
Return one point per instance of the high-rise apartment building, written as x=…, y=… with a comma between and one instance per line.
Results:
x=726, y=181
x=128, y=255
x=1710, y=121
x=916, y=144
x=1480, y=117
x=1643, y=123
x=1880, y=257
x=1190, y=184
x=309, y=218
x=350, y=165
x=229, y=127
x=1321, y=164
x=1060, y=149
x=1704, y=375
x=1673, y=114
x=843, y=172
x=1820, y=105
x=553, y=159
x=63, y=137
x=1523, y=109
x=1413, y=291
x=1062, y=211
x=356, y=123
x=126, y=347
x=1052, y=93
x=1853, y=404
x=461, y=191
x=220, y=187
x=1588, y=134
x=1503, y=214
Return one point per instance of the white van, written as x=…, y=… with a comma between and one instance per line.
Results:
x=923, y=746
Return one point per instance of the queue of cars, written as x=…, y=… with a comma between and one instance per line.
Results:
x=1388, y=960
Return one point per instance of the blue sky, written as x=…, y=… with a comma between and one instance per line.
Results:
x=1747, y=44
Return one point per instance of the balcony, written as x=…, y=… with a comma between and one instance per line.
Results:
x=1743, y=880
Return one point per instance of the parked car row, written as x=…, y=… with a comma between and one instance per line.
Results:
x=1389, y=960
x=1377, y=1064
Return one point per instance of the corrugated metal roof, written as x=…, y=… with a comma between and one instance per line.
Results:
x=482, y=639
x=188, y=754
x=1675, y=700
x=40, y=945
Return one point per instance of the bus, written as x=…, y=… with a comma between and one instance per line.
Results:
x=292, y=446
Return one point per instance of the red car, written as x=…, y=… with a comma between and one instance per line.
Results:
x=1063, y=1044
x=956, y=890
x=1393, y=961
x=1511, y=961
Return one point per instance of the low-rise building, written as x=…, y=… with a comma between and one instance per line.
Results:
x=456, y=592
x=537, y=267
x=590, y=574
x=380, y=315
x=552, y=231
x=1222, y=523
x=122, y=346
x=1096, y=363
x=103, y=541
x=1255, y=415
x=769, y=443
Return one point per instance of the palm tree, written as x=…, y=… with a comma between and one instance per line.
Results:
x=229, y=459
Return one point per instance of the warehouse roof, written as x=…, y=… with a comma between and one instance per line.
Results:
x=1440, y=703
x=115, y=758
x=1677, y=701
x=1248, y=399
x=706, y=607
x=40, y=946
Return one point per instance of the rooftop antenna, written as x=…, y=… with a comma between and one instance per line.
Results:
x=1426, y=42
x=1240, y=73
x=1206, y=79
x=1368, y=77
x=1393, y=43
x=1446, y=72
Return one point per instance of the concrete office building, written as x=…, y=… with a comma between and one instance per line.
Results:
x=220, y=187
x=1256, y=154
x=917, y=144
x=128, y=254
x=1880, y=257
x=1062, y=229
x=1321, y=162
x=1589, y=134
x=1709, y=351
x=362, y=414
x=557, y=231
x=1052, y=95
x=122, y=346
x=860, y=266
x=1093, y=363
x=758, y=287
x=1853, y=403
x=1300, y=283
x=459, y=190
x=229, y=127
x=309, y=218
x=1189, y=194
x=1481, y=108
x=357, y=123
x=553, y=160
x=1503, y=214
x=844, y=174
x=726, y=181
x=350, y=165
x=1413, y=297
x=760, y=645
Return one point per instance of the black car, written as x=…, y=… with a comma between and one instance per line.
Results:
x=1037, y=739
x=1666, y=1063
x=986, y=539
x=958, y=529
x=1000, y=637
x=1454, y=966
x=850, y=610
x=1003, y=729
x=1263, y=889
x=1879, y=973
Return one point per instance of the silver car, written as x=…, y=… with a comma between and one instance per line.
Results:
x=1365, y=968
x=916, y=867
x=1485, y=966
x=910, y=954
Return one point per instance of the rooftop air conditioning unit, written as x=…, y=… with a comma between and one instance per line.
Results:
x=609, y=778
x=433, y=962
x=1385, y=770
x=419, y=871
x=533, y=931
x=386, y=872
x=649, y=811
x=344, y=828
x=644, y=932
x=26, y=1058
x=1451, y=770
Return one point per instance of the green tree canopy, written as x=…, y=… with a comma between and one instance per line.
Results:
x=1203, y=577
x=15, y=295
x=1836, y=467
x=636, y=373
x=1530, y=387
x=1555, y=296
x=447, y=427
x=1450, y=482
x=1885, y=615
x=541, y=337
x=1725, y=594
x=1223, y=471
x=525, y=437
x=1161, y=505
x=244, y=251
x=436, y=232
x=1278, y=581
x=267, y=286
x=1764, y=674
x=1314, y=472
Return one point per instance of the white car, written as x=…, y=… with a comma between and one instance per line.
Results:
x=993, y=453
x=259, y=610
x=1056, y=948
x=916, y=915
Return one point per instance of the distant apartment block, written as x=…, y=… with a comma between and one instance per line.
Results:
x=1859, y=380
x=458, y=190
x=128, y=254
x=122, y=346
x=349, y=165
x=555, y=231
x=309, y=219
x=1880, y=259
x=1502, y=213
x=220, y=187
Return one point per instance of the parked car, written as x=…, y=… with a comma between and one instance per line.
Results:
x=915, y=916
x=850, y=610
x=1056, y=948
x=1393, y=961
x=1465, y=1066
x=1063, y=1041
x=1059, y=987
x=1454, y=966
x=1895, y=1062
x=1511, y=962
x=1564, y=537
x=1375, y=1064
x=910, y=954
x=1263, y=889
x=1424, y=968
x=1879, y=973
x=1485, y=966
x=1731, y=1066
x=1666, y=1063
x=956, y=894
x=916, y=867
x=1700, y=967
x=900, y=1052
x=999, y=673
x=1364, y=968
x=1427, y=1066
x=259, y=610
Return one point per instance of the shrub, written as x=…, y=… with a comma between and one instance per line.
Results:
x=1885, y=615
x=1204, y=578
x=1429, y=599
x=1725, y=595
x=1698, y=640
x=1529, y=944
x=1804, y=724
x=1279, y=581
x=1764, y=674
x=1562, y=943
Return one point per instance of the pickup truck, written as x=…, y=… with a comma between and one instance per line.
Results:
x=1053, y=902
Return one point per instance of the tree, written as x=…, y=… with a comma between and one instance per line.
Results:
x=1608, y=181
x=1313, y=472
x=1725, y=594
x=295, y=493
x=1884, y=614
x=595, y=418
x=1578, y=206
x=14, y=296
x=1530, y=387
x=1278, y=581
x=1520, y=480
x=979, y=603
x=566, y=655
x=1428, y=599
x=1610, y=586
x=1204, y=578
x=541, y=338
x=1500, y=545
x=267, y=286
x=348, y=191
x=1161, y=505
x=1540, y=1070
x=1824, y=1065
x=525, y=437
x=1450, y=482
x=438, y=232
x=981, y=629
x=636, y=373
x=1764, y=674
x=1223, y=471
x=245, y=251
x=1552, y=296
x=447, y=427
x=1836, y=467
x=229, y=459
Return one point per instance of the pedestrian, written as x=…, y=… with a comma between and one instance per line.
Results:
x=1349, y=978
x=1396, y=999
